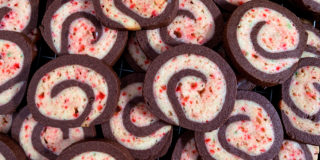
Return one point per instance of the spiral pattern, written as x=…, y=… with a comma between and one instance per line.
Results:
x=181, y=85
x=136, y=15
x=133, y=126
x=44, y=142
x=9, y=149
x=19, y=15
x=253, y=131
x=295, y=150
x=313, y=42
x=270, y=40
x=301, y=97
x=15, y=61
x=73, y=91
x=197, y=22
x=72, y=27
x=95, y=149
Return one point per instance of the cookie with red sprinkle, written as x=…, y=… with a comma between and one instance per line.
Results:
x=71, y=27
x=10, y=149
x=190, y=86
x=19, y=15
x=96, y=150
x=300, y=102
x=136, y=15
x=264, y=42
x=16, y=53
x=197, y=22
x=73, y=91
x=295, y=150
x=313, y=42
x=253, y=131
x=45, y=142
x=185, y=148
x=134, y=126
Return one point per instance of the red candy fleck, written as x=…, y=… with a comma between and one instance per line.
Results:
x=100, y=107
x=41, y=96
x=16, y=66
x=194, y=85
x=100, y=96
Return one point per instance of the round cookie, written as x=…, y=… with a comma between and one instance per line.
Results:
x=19, y=15
x=15, y=62
x=135, y=15
x=313, y=42
x=300, y=101
x=253, y=131
x=73, y=91
x=185, y=148
x=45, y=142
x=133, y=126
x=295, y=150
x=9, y=149
x=95, y=150
x=134, y=55
x=197, y=22
x=269, y=42
x=230, y=5
x=5, y=123
x=190, y=86
x=71, y=27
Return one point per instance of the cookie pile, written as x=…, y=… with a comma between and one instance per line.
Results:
x=196, y=63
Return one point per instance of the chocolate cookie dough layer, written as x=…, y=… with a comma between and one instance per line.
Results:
x=253, y=131
x=5, y=123
x=135, y=56
x=10, y=150
x=44, y=142
x=313, y=42
x=269, y=42
x=71, y=27
x=19, y=15
x=73, y=91
x=190, y=86
x=230, y=5
x=95, y=150
x=135, y=15
x=295, y=150
x=133, y=126
x=15, y=61
x=197, y=22
x=185, y=148
x=300, y=105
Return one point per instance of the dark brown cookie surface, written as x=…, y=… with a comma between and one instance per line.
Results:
x=197, y=22
x=253, y=131
x=230, y=5
x=182, y=83
x=73, y=91
x=185, y=148
x=269, y=42
x=16, y=56
x=71, y=27
x=10, y=149
x=95, y=149
x=300, y=101
x=133, y=126
x=45, y=142
x=135, y=15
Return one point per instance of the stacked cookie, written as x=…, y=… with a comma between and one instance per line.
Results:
x=195, y=69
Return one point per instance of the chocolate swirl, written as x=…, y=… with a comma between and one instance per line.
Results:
x=131, y=86
x=14, y=6
x=292, y=104
x=138, y=21
x=24, y=121
x=105, y=44
x=234, y=151
x=208, y=21
x=266, y=63
x=73, y=71
x=20, y=79
x=215, y=78
x=9, y=148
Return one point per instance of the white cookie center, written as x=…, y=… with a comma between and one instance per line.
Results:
x=5, y=123
x=146, y=8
